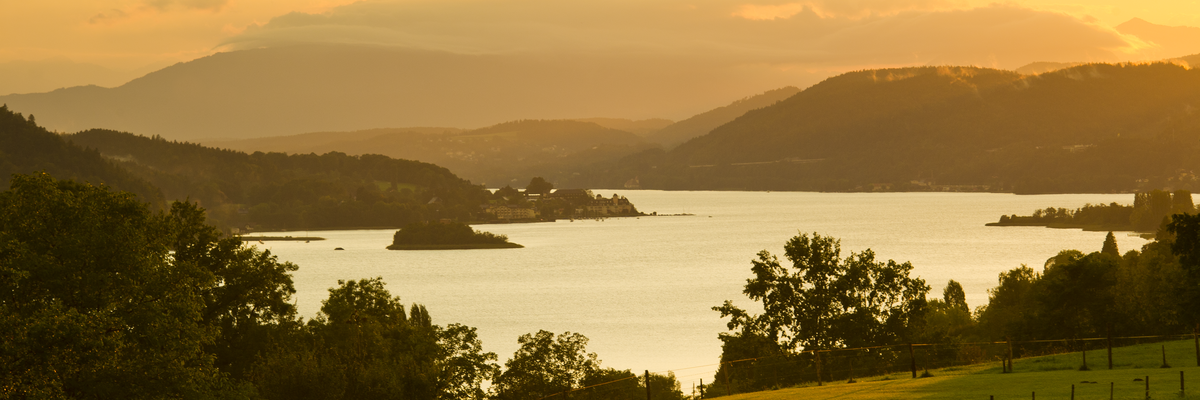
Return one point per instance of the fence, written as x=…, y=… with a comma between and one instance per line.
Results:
x=817, y=367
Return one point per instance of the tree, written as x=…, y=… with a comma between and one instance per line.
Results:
x=546, y=365
x=361, y=345
x=463, y=364
x=955, y=296
x=538, y=185
x=825, y=301
x=1011, y=310
x=1184, y=230
x=250, y=296
x=1075, y=294
x=1110, y=245
x=92, y=302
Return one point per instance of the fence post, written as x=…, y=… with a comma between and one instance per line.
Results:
x=817, y=356
x=1147, y=387
x=1196, y=338
x=1084, y=367
x=1181, y=391
x=728, y=392
x=851, y=380
x=647, y=384
x=1010, y=354
x=912, y=357
x=1109, y=331
x=701, y=388
x=1072, y=392
x=1164, y=353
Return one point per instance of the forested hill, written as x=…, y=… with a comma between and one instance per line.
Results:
x=304, y=191
x=502, y=154
x=700, y=124
x=27, y=148
x=1091, y=128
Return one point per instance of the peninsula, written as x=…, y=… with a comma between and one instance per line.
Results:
x=447, y=235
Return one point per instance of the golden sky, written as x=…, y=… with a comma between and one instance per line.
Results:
x=70, y=42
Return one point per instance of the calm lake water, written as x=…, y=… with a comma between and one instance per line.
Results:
x=642, y=289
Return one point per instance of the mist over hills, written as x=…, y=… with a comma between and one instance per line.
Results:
x=1090, y=128
x=700, y=124
x=513, y=152
x=507, y=153
x=310, y=88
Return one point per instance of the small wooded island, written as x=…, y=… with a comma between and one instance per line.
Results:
x=1149, y=211
x=435, y=235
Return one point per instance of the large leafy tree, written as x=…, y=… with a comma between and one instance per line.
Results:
x=546, y=365
x=825, y=301
x=364, y=345
x=92, y=302
x=1184, y=234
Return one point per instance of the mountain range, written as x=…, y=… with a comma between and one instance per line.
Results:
x=287, y=90
x=1088, y=128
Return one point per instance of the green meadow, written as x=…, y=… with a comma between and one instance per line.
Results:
x=1049, y=377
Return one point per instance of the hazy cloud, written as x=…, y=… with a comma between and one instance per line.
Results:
x=809, y=34
x=208, y=5
x=107, y=16
x=850, y=9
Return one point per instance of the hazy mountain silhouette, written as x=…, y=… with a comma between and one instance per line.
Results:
x=1090, y=128
x=497, y=155
x=702, y=123
x=308, y=88
x=1166, y=42
x=640, y=127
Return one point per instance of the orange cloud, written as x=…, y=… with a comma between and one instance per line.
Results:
x=848, y=9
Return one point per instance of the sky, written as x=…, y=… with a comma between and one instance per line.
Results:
x=59, y=43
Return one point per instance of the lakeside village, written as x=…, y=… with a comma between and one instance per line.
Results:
x=512, y=205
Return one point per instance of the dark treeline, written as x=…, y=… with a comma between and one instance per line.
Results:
x=304, y=191
x=825, y=302
x=26, y=148
x=435, y=234
x=1148, y=212
x=102, y=297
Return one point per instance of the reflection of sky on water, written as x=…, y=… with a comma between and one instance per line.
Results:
x=642, y=288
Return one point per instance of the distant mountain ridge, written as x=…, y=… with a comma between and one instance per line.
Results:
x=312, y=88
x=501, y=154
x=700, y=124
x=1090, y=128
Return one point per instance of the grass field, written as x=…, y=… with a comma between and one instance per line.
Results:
x=1050, y=377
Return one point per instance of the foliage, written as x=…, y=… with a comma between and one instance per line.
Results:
x=439, y=233
x=102, y=298
x=1185, y=232
x=1094, y=128
x=27, y=148
x=94, y=304
x=1149, y=210
x=538, y=185
x=1110, y=245
x=363, y=345
x=301, y=191
x=823, y=302
x=545, y=365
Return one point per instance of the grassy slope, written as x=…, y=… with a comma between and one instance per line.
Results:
x=1050, y=377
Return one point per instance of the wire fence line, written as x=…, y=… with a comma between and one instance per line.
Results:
x=830, y=365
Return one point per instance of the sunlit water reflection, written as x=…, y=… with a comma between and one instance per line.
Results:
x=642, y=288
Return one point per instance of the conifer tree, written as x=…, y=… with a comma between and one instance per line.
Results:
x=1110, y=245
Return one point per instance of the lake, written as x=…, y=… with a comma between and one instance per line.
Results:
x=642, y=289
